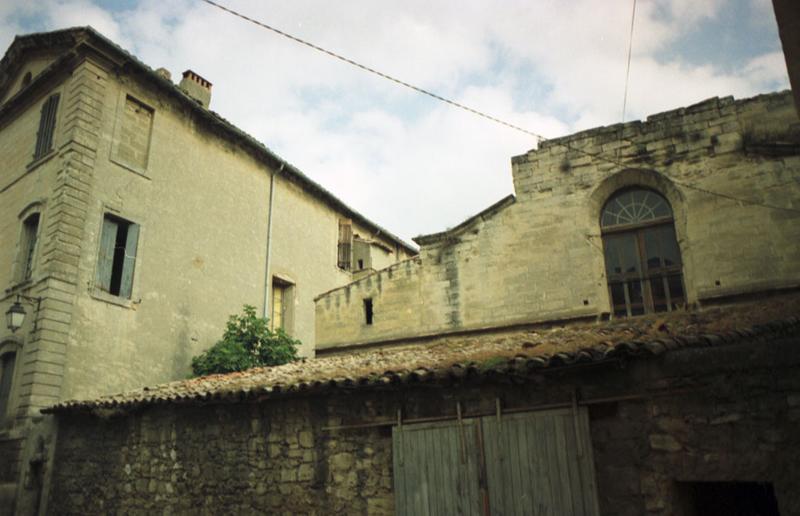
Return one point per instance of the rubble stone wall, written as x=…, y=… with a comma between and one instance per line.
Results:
x=704, y=414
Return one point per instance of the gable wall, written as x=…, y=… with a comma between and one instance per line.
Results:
x=541, y=258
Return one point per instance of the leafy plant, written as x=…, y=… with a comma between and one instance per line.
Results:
x=247, y=342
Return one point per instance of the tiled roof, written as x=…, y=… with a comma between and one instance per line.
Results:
x=450, y=359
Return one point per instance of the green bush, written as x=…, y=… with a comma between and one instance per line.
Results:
x=247, y=342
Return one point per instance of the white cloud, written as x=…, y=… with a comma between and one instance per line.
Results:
x=411, y=163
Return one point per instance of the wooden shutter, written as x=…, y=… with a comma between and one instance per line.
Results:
x=126, y=283
x=278, y=295
x=105, y=259
x=6, y=376
x=345, y=244
x=31, y=230
x=47, y=126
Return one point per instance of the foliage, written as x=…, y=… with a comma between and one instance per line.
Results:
x=247, y=342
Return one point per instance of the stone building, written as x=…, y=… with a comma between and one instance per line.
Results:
x=133, y=221
x=620, y=337
x=689, y=207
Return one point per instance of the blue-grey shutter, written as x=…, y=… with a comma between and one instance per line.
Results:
x=105, y=260
x=126, y=283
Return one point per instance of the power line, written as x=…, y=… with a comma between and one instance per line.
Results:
x=376, y=72
x=628, y=67
x=539, y=137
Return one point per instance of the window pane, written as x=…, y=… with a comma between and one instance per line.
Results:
x=635, y=296
x=622, y=256
x=618, y=299
x=634, y=206
x=659, y=294
x=661, y=247
x=675, y=283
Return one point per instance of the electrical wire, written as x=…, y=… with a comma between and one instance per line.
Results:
x=539, y=137
x=628, y=67
x=376, y=72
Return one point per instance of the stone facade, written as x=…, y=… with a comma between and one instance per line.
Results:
x=218, y=216
x=538, y=256
x=722, y=413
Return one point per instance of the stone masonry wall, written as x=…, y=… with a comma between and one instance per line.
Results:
x=702, y=414
x=271, y=458
x=540, y=258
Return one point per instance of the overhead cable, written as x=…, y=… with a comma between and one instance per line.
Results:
x=628, y=67
x=423, y=91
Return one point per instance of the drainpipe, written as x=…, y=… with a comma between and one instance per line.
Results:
x=269, y=238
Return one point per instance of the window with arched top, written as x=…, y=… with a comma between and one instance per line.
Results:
x=643, y=260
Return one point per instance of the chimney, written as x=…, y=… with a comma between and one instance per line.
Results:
x=196, y=87
x=164, y=73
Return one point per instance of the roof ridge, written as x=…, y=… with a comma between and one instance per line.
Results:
x=519, y=363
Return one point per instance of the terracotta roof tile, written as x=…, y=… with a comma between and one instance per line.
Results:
x=458, y=358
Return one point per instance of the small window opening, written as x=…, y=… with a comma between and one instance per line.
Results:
x=26, y=79
x=360, y=265
x=368, y=310
x=728, y=498
x=30, y=231
x=117, y=256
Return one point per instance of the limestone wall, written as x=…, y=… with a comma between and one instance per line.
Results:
x=539, y=257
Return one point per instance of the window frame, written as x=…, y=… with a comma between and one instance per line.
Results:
x=50, y=124
x=126, y=289
x=644, y=274
x=113, y=156
x=287, y=286
x=10, y=347
x=29, y=246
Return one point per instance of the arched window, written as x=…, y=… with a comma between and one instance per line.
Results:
x=643, y=261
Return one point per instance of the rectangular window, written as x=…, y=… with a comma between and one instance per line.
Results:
x=47, y=127
x=30, y=229
x=117, y=258
x=368, y=310
x=345, y=248
x=6, y=375
x=132, y=139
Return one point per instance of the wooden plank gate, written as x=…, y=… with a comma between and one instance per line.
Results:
x=533, y=463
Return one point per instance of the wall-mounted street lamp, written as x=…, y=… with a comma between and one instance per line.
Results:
x=15, y=316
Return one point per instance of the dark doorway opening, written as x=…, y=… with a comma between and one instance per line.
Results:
x=729, y=498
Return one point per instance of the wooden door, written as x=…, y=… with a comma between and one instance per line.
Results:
x=534, y=463
x=436, y=469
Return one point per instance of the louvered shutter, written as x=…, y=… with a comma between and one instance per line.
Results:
x=126, y=283
x=105, y=259
x=47, y=126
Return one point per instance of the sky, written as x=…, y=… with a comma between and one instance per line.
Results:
x=410, y=163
